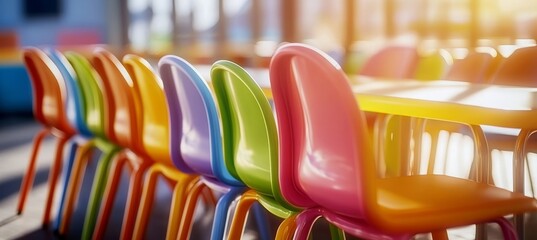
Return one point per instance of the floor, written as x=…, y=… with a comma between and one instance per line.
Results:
x=16, y=134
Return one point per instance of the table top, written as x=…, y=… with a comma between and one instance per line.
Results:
x=470, y=103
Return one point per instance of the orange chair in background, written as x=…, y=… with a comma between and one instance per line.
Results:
x=519, y=69
x=472, y=68
x=328, y=165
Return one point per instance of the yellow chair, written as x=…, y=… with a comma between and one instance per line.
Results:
x=433, y=65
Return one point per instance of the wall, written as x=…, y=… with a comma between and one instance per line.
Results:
x=74, y=15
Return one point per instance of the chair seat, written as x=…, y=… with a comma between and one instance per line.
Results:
x=408, y=204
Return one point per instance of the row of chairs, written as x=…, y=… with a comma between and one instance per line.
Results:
x=312, y=160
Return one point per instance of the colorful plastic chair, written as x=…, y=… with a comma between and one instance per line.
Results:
x=251, y=146
x=76, y=114
x=155, y=134
x=519, y=69
x=196, y=129
x=95, y=121
x=327, y=160
x=121, y=131
x=125, y=129
x=472, y=68
x=49, y=109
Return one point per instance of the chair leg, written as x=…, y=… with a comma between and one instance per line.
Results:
x=287, y=228
x=146, y=202
x=77, y=175
x=67, y=176
x=262, y=222
x=440, y=235
x=97, y=190
x=109, y=196
x=149, y=191
x=241, y=211
x=508, y=230
x=185, y=226
x=305, y=221
x=53, y=178
x=133, y=200
x=221, y=211
x=28, y=178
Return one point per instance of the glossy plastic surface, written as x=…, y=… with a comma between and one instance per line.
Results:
x=194, y=119
x=325, y=153
x=123, y=123
x=392, y=62
x=91, y=84
x=250, y=143
x=249, y=129
x=76, y=102
x=155, y=124
x=50, y=94
x=49, y=99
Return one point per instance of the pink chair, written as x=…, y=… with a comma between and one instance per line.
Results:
x=392, y=62
x=327, y=164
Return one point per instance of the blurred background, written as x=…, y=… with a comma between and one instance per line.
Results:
x=248, y=31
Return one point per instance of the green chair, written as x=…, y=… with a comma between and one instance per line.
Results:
x=250, y=141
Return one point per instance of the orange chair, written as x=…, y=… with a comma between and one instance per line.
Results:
x=49, y=98
x=519, y=69
x=472, y=68
x=328, y=164
x=155, y=130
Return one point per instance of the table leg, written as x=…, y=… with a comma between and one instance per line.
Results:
x=519, y=157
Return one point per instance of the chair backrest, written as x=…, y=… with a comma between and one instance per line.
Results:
x=392, y=62
x=472, y=68
x=91, y=85
x=325, y=155
x=194, y=120
x=519, y=69
x=122, y=125
x=249, y=131
x=155, y=125
x=76, y=102
x=433, y=65
x=49, y=90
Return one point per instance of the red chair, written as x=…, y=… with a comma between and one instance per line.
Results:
x=328, y=165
